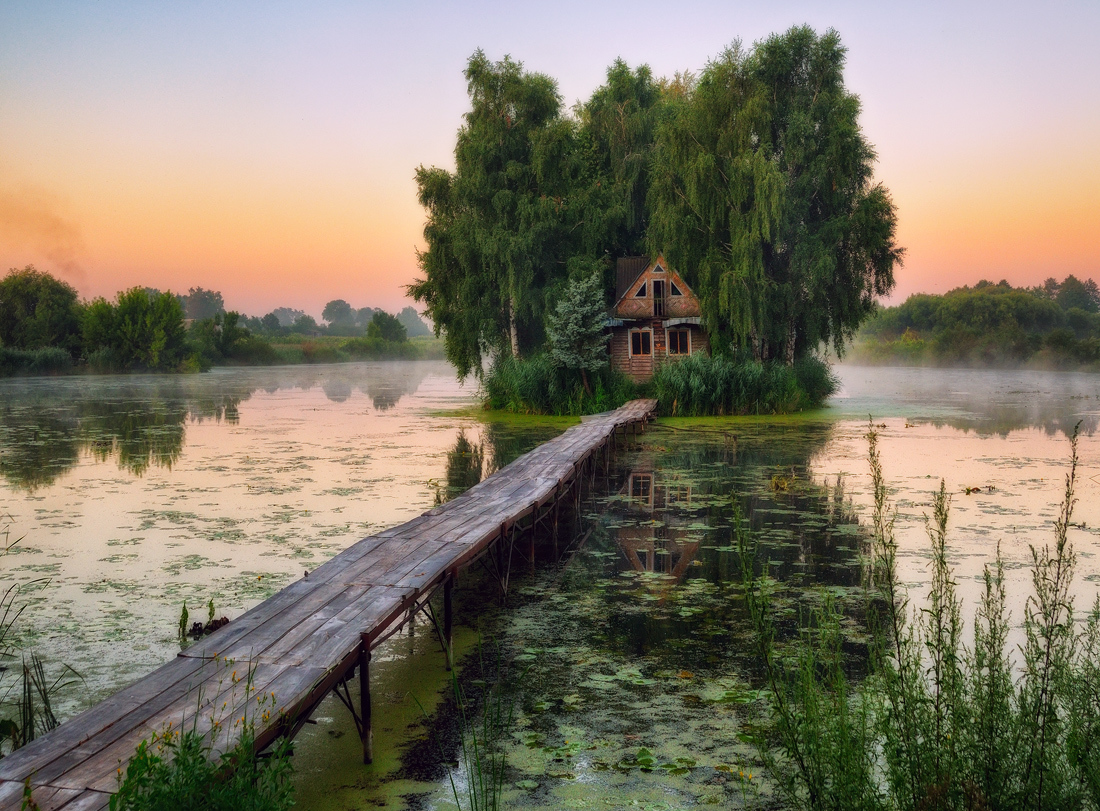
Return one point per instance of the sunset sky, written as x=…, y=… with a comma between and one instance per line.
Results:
x=267, y=149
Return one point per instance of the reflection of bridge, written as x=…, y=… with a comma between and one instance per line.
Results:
x=310, y=638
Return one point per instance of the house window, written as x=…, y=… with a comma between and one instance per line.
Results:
x=675, y=289
x=658, y=269
x=658, y=298
x=679, y=342
x=641, y=291
x=641, y=342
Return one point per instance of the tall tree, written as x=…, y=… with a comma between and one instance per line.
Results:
x=763, y=197
x=338, y=312
x=200, y=303
x=618, y=126
x=494, y=226
x=37, y=310
x=144, y=332
x=413, y=323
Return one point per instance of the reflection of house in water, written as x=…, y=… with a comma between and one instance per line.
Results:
x=657, y=539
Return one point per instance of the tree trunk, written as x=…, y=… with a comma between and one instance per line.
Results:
x=584, y=380
x=513, y=336
x=788, y=354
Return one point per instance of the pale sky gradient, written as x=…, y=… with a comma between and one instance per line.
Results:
x=267, y=149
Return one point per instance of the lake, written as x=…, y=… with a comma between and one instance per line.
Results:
x=131, y=495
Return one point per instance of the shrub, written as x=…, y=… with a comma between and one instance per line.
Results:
x=537, y=385
x=700, y=385
x=318, y=353
x=176, y=772
x=375, y=348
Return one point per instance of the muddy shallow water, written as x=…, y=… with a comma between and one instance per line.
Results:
x=133, y=494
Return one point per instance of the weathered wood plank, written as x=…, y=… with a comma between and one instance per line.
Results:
x=302, y=640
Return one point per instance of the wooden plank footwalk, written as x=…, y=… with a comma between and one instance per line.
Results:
x=276, y=662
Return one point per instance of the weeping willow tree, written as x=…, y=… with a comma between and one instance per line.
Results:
x=494, y=225
x=537, y=197
x=762, y=195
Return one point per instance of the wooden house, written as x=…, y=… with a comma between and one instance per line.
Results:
x=656, y=317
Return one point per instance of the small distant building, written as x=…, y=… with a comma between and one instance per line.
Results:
x=656, y=317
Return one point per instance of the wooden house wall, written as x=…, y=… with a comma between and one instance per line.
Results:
x=641, y=367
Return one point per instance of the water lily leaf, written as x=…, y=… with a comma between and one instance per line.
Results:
x=530, y=785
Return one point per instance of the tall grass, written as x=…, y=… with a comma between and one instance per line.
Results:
x=537, y=386
x=180, y=770
x=48, y=360
x=701, y=385
x=938, y=724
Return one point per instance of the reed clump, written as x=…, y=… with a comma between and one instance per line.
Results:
x=701, y=385
x=537, y=385
x=939, y=723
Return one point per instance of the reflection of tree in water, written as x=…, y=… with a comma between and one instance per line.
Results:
x=35, y=446
x=384, y=383
x=385, y=390
x=141, y=419
x=141, y=422
x=1053, y=417
x=465, y=467
x=984, y=401
x=139, y=435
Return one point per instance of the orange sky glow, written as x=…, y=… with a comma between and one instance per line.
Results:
x=268, y=152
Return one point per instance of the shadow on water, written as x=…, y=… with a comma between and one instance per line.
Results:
x=140, y=421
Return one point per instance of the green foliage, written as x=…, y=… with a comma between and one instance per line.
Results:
x=938, y=724
x=305, y=325
x=37, y=312
x=222, y=339
x=755, y=181
x=142, y=332
x=763, y=198
x=176, y=771
x=48, y=360
x=988, y=324
x=701, y=385
x=575, y=330
x=386, y=327
x=537, y=385
x=380, y=349
x=495, y=224
x=316, y=352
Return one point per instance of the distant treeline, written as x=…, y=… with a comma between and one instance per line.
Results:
x=1055, y=325
x=45, y=328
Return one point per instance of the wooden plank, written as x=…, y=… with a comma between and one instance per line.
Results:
x=302, y=640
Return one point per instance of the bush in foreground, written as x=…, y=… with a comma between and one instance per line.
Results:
x=700, y=385
x=938, y=724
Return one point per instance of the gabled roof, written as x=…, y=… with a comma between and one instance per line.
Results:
x=627, y=270
x=631, y=268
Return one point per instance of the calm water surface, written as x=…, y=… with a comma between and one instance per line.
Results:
x=133, y=494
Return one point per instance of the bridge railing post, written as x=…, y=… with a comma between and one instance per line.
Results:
x=367, y=731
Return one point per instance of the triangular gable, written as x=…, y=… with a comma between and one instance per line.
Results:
x=650, y=271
